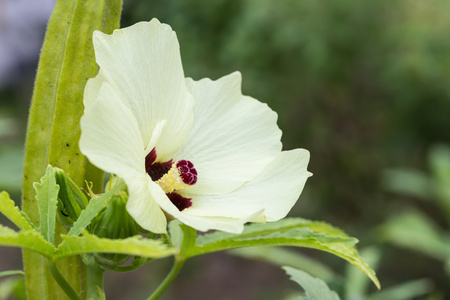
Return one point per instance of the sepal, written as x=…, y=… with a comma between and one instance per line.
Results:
x=71, y=200
x=114, y=223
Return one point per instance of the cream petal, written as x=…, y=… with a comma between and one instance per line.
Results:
x=142, y=206
x=110, y=135
x=204, y=223
x=232, y=225
x=155, y=137
x=276, y=189
x=92, y=88
x=143, y=64
x=233, y=138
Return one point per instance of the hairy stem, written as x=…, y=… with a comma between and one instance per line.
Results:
x=62, y=282
x=94, y=281
x=67, y=61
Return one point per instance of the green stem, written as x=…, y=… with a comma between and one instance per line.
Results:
x=66, y=287
x=94, y=281
x=67, y=61
x=169, y=278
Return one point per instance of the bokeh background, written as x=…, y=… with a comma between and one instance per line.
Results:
x=363, y=85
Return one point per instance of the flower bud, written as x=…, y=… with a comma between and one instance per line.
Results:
x=114, y=223
x=71, y=200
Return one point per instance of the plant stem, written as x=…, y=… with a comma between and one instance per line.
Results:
x=65, y=286
x=66, y=62
x=178, y=263
x=94, y=281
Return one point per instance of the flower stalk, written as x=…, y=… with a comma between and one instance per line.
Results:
x=178, y=264
x=95, y=279
x=67, y=61
x=68, y=290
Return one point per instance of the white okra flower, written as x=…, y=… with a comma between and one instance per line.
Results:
x=197, y=151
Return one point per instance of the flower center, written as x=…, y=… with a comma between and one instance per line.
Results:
x=181, y=175
x=172, y=176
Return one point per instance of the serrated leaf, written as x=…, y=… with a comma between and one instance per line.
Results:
x=27, y=239
x=288, y=232
x=88, y=243
x=356, y=283
x=47, y=196
x=9, y=209
x=94, y=206
x=258, y=229
x=27, y=219
x=315, y=288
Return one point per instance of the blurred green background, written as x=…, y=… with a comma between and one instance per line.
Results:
x=363, y=85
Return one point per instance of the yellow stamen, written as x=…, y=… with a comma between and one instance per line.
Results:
x=171, y=181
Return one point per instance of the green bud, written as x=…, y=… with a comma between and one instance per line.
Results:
x=71, y=200
x=115, y=223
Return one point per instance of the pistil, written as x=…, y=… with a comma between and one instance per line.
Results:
x=182, y=174
x=172, y=177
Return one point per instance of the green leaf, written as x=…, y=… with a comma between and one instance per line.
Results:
x=25, y=216
x=11, y=272
x=182, y=236
x=74, y=245
x=288, y=232
x=47, y=196
x=27, y=239
x=9, y=209
x=12, y=288
x=94, y=206
x=286, y=257
x=71, y=200
x=409, y=182
x=315, y=288
x=416, y=231
x=439, y=160
x=176, y=234
x=356, y=283
x=11, y=160
x=405, y=291
x=285, y=225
